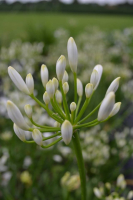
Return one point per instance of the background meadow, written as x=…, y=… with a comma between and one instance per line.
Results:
x=28, y=40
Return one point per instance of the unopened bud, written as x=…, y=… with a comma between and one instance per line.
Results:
x=65, y=87
x=115, y=109
x=16, y=116
x=50, y=88
x=97, y=192
x=106, y=106
x=94, y=78
x=72, y=54
x=130, y=195
x=28, y=110
x=19, y=132
x=56, y=124
x=60, y=67
x=30, y=83
x=46, y=98
x=113, y=86
x=99, y=69
x=73, y=106
x=37, y=136
x=65, y=77
x=56, y=83
x=17, y=80
x=44, y=75
x=58, y=96
x=79, y=87
x=88, y=90
x=66, y=131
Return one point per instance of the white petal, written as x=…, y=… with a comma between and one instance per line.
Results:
x=58, y=96
x=50, y=88
x=28, y=110
x=46, y=98
x=94, y=78
x=65, y=77
x=65, y=87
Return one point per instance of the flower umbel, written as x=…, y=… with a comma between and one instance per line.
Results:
x=68, y=118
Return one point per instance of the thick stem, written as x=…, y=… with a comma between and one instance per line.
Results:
x=78, y=152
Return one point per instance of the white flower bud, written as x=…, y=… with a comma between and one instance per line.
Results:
x=60, y=67
x=28, y=110
x=99, y=69
x=56, y=83
x=58, y=96
x=50, y=88
x=19, y=132
x=65, y=77
x=115, y=109
x=113, y=86
x=79, y=87
x=97, y=192
x=37, y=136
x=17, y=80
x=88, y=90
x=65, y=87
x=106, y=106
x=46, y=98
x=66, y=131
x=30, y=83
x=94, y=78
x=130, y=195
x=56, y=124
x=16, y=116
x=44, y=75
x=72, y=54
x=73, y=106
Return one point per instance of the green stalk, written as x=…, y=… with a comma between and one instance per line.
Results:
x=41, y=126
x=51, y=114
x=78, y=105
x=64, y=101
x=78, y=152
x=91, y=113
x=51, y=144
x=82, y=109
x=75, y=87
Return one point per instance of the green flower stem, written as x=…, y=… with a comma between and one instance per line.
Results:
x=51, y=114
x=72, y=116
x=52, y=136
x=78, y=152
x=46, y=130
x=58, y=108
x=29, y=142
x=41, y=126
x=47, y=138
x=86, y=125
x=91, y=113
x=51, y=144
x=64, y=101
x=75, y=87
x=78, y=105
x=82, y=109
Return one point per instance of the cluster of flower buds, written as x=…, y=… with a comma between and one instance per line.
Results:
x=111, y=192
x=68, y=118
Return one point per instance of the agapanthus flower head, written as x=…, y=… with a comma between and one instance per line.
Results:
x=67, y=118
